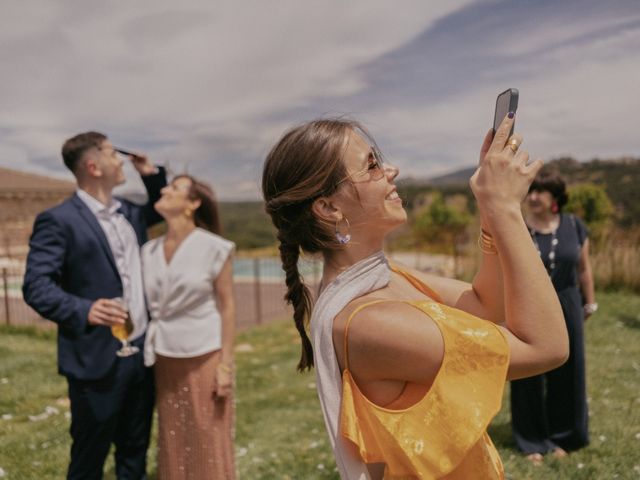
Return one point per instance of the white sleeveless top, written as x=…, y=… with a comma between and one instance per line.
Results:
x=185, y=321
x=367, y=275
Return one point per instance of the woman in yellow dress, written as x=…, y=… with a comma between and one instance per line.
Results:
x=410, y=367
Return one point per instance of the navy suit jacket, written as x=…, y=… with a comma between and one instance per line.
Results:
x=69, y=266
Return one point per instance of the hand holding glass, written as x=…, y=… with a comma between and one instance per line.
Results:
x=122, y=331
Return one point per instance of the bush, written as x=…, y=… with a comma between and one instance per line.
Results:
x=592, y=204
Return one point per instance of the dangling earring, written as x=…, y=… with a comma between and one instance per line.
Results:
x=554, y=207
x=345, y=238
x=188, y=212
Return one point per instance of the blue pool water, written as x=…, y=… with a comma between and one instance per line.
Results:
x=271, y=269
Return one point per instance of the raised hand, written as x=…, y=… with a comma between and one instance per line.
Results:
x=142, y=164
x=503, y=176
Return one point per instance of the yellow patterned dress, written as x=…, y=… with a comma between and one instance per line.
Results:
x=443, y=435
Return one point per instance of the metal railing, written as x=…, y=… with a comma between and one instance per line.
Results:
x=14, y=310
x=258, y=285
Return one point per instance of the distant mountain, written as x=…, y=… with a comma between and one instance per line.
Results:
x=459, y=177
x=247, y=224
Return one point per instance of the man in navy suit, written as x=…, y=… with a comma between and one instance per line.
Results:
x=83, y=254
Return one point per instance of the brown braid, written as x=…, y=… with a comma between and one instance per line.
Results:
x=299, y=296
x=304, y=165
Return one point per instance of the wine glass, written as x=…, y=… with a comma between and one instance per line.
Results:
x=122, y=331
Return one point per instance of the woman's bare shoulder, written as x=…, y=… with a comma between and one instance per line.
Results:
x=376, y=296
x=388, y=339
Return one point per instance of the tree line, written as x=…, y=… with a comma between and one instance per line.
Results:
x=604, y=193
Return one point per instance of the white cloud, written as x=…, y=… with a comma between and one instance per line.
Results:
x=179, y=73
x=577, y=97
x=209, y=86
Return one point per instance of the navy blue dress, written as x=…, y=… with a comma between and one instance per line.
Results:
x=550, y=410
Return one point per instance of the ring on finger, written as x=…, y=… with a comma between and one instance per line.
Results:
x=514, y=145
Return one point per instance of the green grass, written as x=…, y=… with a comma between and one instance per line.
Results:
x=613, y=385
x=279, y=432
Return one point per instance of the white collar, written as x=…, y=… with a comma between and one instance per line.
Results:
x=96, y=206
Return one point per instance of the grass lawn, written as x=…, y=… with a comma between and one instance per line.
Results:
x=280, y=434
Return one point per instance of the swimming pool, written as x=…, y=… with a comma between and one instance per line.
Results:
x=269, y=269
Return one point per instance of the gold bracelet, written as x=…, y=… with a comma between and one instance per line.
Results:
x=485, y=243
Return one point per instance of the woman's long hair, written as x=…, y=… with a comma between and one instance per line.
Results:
x=206, y=215
x=305, y=164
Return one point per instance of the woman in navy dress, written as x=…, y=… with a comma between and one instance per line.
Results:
x=549, y=411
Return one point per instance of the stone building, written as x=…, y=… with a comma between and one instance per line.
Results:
x=22, y=196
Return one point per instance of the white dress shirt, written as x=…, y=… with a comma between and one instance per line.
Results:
x=185, y=321
x=126, y=252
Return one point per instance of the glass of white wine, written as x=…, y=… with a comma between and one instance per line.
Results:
x=122, y=331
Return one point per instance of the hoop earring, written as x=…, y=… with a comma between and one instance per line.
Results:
x=345, y=238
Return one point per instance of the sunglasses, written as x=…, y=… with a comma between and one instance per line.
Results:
x=374, y=169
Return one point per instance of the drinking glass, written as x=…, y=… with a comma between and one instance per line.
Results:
x=122, y=331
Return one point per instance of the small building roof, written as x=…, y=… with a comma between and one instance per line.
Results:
x=19, y=181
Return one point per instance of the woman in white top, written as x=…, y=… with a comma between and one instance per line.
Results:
x=189, y=289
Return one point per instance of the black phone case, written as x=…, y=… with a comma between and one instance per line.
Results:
x=513, y=106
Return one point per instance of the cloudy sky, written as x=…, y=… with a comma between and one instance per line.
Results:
x=208, y=86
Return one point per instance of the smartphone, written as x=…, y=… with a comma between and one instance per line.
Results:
x=506, y=102
x=124, y=152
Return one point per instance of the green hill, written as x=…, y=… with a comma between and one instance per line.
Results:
x=247, y=224
x=620, y=178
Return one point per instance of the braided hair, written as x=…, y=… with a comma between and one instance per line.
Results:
x=305, y=164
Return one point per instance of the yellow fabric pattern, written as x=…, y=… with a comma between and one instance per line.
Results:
x=443, y=435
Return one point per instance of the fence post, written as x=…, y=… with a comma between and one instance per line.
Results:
x=5, y=285
x=256, y=283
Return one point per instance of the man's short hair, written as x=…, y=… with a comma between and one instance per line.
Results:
x=75, y=147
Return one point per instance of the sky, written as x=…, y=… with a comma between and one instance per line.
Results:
x=209, y=86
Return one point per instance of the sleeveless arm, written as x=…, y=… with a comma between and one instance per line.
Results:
x=389, y=341
x=585, y=274
x=483, y=298
x=226, y=304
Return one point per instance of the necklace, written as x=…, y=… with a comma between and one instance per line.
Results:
x=552, y=249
